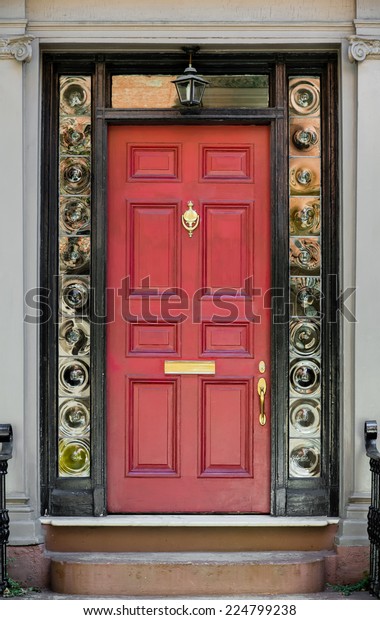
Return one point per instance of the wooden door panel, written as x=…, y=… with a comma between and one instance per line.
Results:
x=151, y=433
x=188, y=443
x=226, y=429
x=226, y=163
x=153, y=226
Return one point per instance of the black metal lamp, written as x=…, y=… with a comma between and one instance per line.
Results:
x=190, y=86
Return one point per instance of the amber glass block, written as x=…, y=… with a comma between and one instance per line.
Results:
x=305, y=256
x=304, y=96
x=304, y=458
x=304, y=417
x=74, y=417
x=74, y=457
x=304, y=137
x=305, y=176
x=75, y=95
x=305, y=216
x=74, y=337
x=305, y=294
x=158, y=91
x=75, y=135
x=74, y=254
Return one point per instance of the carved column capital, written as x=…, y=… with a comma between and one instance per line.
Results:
x=17, y=47
x=360, y=48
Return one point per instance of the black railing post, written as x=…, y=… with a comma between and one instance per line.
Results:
x=6, y=446
x=370, y=434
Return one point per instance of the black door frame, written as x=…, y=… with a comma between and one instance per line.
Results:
x=293, y=497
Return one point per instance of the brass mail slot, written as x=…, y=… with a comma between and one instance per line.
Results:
x=184, y=367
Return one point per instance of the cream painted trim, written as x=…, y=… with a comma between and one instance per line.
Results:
x=188, y=521
x=260, y=33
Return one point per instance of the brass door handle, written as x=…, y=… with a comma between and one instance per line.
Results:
x=261, y=390
x=190, y=219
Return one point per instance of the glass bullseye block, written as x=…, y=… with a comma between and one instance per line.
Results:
x=304, y=96
x=304, y=458
x=304, y=176
x=75, y=95
x=74, y=337
x=74, y=377
x=304, y=216
x=304, y=137
x=305, y=377
x=75, y=175
x=305, y=337
x=305, y=296
x=305, y=270
x=74, y=296
x=74, y=457
x=74, y=417
x=74, y=215
x=305, y=415
x=75, y=135
x=74, y=248
x=74, y=254
x=305, y=256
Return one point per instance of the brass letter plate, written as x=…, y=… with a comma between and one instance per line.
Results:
x=184, y=367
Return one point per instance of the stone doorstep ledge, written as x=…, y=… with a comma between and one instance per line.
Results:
x=189, y=521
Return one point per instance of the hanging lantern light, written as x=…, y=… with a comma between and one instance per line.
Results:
x=190, y=86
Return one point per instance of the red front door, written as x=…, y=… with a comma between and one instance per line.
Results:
x=187, y=437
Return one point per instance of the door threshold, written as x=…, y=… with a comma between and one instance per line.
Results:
x=167, y=520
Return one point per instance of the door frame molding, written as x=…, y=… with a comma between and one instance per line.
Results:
x=293, y=497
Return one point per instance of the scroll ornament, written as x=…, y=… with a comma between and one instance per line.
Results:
x=360, y=48
x=19, y=48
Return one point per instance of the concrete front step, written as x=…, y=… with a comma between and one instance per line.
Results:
x=189, y=574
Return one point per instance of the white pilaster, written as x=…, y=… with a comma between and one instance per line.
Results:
x=14, y=52
x=366, y=53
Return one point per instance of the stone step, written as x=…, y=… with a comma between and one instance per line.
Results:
x=189, y=574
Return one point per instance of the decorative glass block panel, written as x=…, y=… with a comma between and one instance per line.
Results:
x=75, y=135
x=74, y=377
x=305, y=377
x=304, y=176
x=305, y=417
x=74, y=215
x=75, y=95
x=305, y=271
x=304, y=458
x=305, y=256
x=305, y=296
x=304, y=136
x=304, y=96
x=305, y=337
x=158, y=91
x=74, y=337
x=304, y=216
x=74, y=457
x=74, y=296
x=74, y=253
x=75, y=175
x=74, y=417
